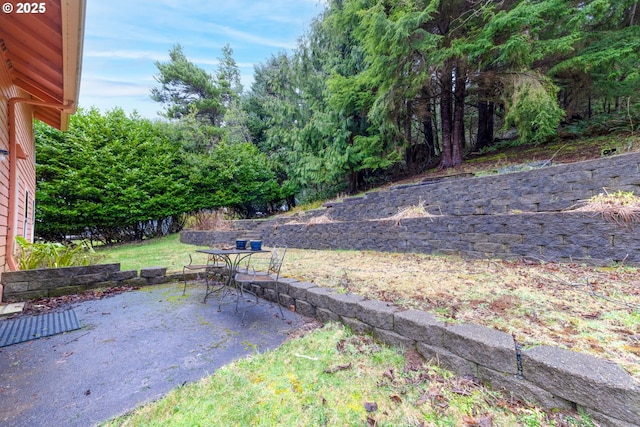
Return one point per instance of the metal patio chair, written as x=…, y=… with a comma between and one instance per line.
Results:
x=213, y=265
x=258, y=271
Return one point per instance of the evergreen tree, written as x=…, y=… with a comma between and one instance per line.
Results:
x=186, y=88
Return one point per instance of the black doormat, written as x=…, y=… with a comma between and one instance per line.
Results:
x=33, y=327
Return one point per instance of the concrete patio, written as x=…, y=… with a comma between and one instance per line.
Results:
x=132, y=348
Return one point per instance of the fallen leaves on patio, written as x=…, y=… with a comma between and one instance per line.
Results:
x=48, y=305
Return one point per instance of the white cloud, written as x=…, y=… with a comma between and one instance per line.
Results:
x=250, y=37
x=126, y=54
x=115, y=88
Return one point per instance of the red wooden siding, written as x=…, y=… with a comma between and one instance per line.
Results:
x=25, y=167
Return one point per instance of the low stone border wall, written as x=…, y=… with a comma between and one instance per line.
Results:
x=549, y=376
x=52, y=282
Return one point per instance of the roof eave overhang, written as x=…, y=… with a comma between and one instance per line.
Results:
x=73, y=18
x=44, y=54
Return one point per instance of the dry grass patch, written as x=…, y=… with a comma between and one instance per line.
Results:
x=209, y=221
x=415, y=211
x=620, y=207
x=587, y=309
x=323, y=219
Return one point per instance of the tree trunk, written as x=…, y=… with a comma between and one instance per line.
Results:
x=424, y=150
x=458, y=116
x=446, y=119
x=407, y=122
x=410, y=157
x=485, y=124
x=428, y=139
x=427, y=126
x=353, y=181
x=437, y=145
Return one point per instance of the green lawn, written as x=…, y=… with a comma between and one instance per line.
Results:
x=164, y=251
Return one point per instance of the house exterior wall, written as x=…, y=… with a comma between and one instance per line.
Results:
x=25, y=168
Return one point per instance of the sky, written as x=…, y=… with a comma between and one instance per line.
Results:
x=123, y=39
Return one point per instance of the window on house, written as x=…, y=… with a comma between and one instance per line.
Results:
x=27, y=224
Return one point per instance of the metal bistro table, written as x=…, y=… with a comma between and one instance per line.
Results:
x=233, y=258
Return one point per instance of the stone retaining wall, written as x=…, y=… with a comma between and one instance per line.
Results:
x=518, y=214
x=52, y=282
x=568, y=236
x=241, y=229
x=547, y=189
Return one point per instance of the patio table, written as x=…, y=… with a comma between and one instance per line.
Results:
x=233, y=258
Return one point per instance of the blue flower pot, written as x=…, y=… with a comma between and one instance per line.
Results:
x=256, y=245
x=241, y=244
